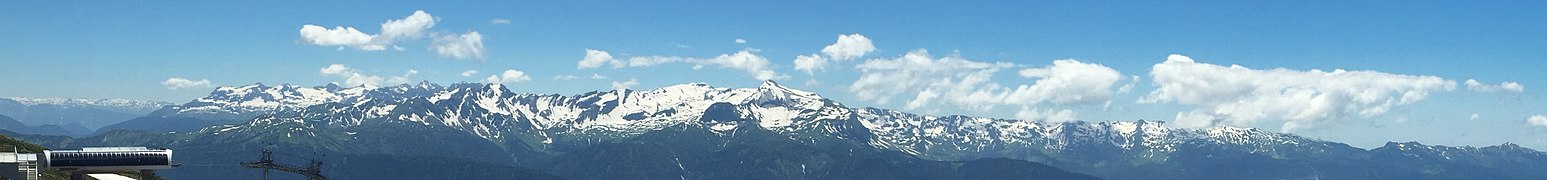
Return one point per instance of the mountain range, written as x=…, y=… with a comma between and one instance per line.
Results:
x=697, y=131
x=73, y=117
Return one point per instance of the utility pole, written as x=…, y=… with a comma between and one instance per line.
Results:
x=313, y=171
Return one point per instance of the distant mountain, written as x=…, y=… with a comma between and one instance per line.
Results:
x=695, y=131
x=6, y=123
x=75, y=116
x=232, y=105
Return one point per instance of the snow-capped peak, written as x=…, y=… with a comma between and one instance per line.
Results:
x=262, y=99
x=115, y=104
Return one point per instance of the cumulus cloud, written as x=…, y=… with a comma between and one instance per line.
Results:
x=1237, y=95
x=412, y=26
x=338, y=36
x=744, y=60
x=598, y=76
x=1068, y=82
x=625, y=84
x=1475, y=116
x=953, y=81
x=849, y=46
x=353, y=77
x=393, y=30
x=469, y=73
x=1473, y=85
x=597, y=58
x=498, y=21
x=181, y=83
x=508, y=77
x=741, y=41
x=810, y=63
x=1537, y=120
x=464, y=46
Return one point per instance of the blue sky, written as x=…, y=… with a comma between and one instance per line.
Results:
x=131, y=49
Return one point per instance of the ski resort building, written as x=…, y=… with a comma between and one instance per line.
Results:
x=79, y=163
x=18, y=166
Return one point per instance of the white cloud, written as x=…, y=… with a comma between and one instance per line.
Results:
x=1067, y=82
x=923, y=98
x=597, y=58
x=626, y=84
x=352, y=77
x=498, y=21
x=469, y=73
x=1239, y=96
x=744, y=60
x=645, y=61
x=953, y=81
x=1537, y=120
x=1034, y=114
x=849, y=46
x=508, y=77
x=180, y=83
x=810, y=63
x=464, y=46
x=338, y=36
x=1473, y=85
x=410, y=27
x=573, y=77
x=1132, y=80
x=753, y=64
x=565, y=77
x=1475, y=116
x=741, y=41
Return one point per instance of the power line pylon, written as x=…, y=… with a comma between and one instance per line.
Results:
x=313, y=171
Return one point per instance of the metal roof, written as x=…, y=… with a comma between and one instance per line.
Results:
x=109, y=158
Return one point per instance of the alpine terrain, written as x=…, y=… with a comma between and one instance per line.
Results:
x=698, y=131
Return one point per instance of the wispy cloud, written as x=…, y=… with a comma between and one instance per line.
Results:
x=565, y=77
x=464, y=46
x=1473, y=85
x=625, y=84
x=175, y=83
x=755, y=65
x=1537, y=120
x=498, y=21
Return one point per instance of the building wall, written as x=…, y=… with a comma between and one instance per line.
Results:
x=12, y=171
